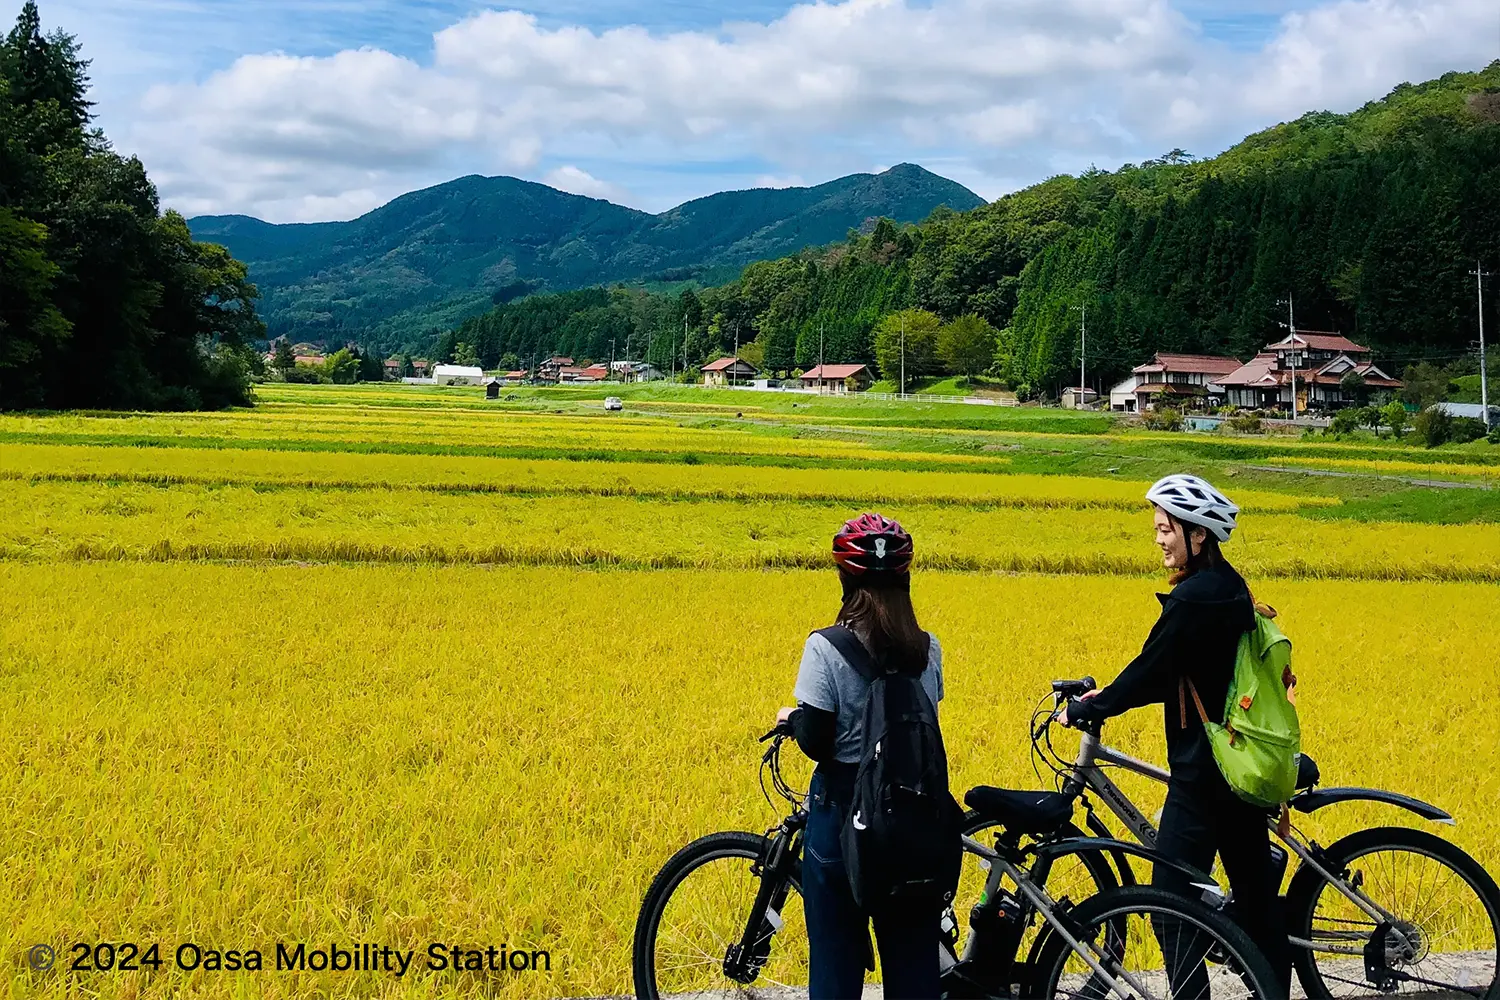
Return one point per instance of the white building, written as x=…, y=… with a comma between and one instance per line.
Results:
x=458, y=375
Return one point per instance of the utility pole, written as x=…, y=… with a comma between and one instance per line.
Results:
x=736, y=353
x=1480, y=274
x=684, y=344
x=903, y=353
x=1291, y=325
x=1083, y=346
x=822, y=375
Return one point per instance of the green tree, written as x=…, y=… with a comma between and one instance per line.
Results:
x=41, y=69
x=153, y=319
x=464, y=354
x=284, y=360
x=921, y=333
x=1395, y=417
x=1425, y=384
x=1435, y=426
x=30, y=325
x=967, y=345
x=341, y=367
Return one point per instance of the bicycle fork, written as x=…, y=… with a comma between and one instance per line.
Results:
x=744, y=959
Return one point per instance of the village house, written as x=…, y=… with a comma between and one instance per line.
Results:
x=593, y=373
x=514, y=378
x=1183, y=381
x=635, y=371
x=551, y=369
x=729, y=371
x=1329, y=371
x=392, y=368
x=836, y=378
x=421, y=367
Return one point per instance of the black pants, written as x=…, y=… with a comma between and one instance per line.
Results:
x=1204, y=817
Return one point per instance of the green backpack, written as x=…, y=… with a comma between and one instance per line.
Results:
x=1258, y=745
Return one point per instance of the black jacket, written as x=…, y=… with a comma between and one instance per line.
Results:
x=1200, y=626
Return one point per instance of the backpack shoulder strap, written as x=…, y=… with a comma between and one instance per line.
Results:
x=850, y=648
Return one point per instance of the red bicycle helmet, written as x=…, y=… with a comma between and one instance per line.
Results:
x=872, y=544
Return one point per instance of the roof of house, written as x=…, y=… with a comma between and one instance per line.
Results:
x=558, y=360
x=725, y=363
x=1256, y=371
x=1317, y=341
x=834, y=371
x=1262, y=371
x=516, y=374
x=1075, y=390
x=1207, y=364
x=457, y=371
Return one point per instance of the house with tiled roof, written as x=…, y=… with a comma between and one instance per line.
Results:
x=1328, y=370
x=728, y=371
x=1183, y=381
x=837, y=378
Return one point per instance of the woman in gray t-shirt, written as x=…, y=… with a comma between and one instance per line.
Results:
x=873, y=555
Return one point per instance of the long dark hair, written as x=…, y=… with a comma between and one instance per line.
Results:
x=883, y=616
x=1208, y=554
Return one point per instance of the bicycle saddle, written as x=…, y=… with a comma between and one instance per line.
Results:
x=1021, y=811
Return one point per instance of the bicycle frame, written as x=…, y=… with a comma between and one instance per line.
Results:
x=1046, y=906
x=1088, y=772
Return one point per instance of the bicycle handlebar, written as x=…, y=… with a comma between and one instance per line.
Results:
x=1072, y=689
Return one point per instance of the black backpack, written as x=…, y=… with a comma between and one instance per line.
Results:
x=901, y=837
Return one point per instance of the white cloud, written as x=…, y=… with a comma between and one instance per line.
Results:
x=1012, y=90
x=1345, y=53
x=578, y=181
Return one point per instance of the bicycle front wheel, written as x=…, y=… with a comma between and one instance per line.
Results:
x=698, y=908
x=1155, y=944
x=1433, y=931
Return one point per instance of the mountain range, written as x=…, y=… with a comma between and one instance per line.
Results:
x=431, y=257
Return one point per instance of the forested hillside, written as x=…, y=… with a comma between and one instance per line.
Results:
x=1370, y=221
x=104, y=300
x=434, y=256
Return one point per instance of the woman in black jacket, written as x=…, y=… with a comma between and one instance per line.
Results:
x=1192, y=646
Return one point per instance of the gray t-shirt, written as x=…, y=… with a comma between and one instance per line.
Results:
x=825, y=681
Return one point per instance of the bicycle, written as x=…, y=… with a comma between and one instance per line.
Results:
x=720, y=918
x=1351, y=925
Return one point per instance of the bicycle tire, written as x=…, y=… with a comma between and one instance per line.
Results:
x=751, y=847
x=1230, y=942
x=1307, y=887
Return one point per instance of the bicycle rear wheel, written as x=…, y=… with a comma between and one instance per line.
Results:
x=1157, y=944
x=1440, y=938
x=698, y=906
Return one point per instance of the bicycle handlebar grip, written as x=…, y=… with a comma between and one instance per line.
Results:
x=1070, y=688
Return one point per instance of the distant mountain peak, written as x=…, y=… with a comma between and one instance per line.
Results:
x=442, y=252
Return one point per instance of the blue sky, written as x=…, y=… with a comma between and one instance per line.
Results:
x=311, y=109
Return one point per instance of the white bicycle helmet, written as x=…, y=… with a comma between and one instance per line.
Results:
x=1195, y=501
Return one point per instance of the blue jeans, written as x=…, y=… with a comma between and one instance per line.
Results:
x=838, y=931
